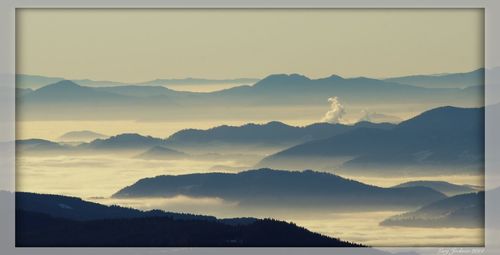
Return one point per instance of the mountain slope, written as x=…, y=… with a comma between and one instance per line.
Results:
x=129, y=141
x=275, y=188
x=453, y=80
x=73, y=208
x=461, y=211
x=446, y=137
x=271, y=134
x=65, y=99
x=58, y=221
x=39, y=230
x=446, y=188
x=69, y=92
x=162, y=153
x=81, y=136
x=39, y=147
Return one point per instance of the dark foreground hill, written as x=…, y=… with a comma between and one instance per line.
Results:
x=283, y=189
x=41, y=230
x=77, y=209
x=59, y=221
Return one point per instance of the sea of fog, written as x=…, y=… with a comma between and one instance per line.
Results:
x=96, y=178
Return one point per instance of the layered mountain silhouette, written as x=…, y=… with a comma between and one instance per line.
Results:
x=299, y=89
x=460, y=211
x=249, y=138
x=40, y=147
x=282, y=189
x=271, y=134
x=65, y=99
x=69, y=92
x=451, y=80
x=129, y=141
x=58, y=221
x=446, y=188
x=81, y=136
x=37, y=81
x=162, y=153
x=448, y=138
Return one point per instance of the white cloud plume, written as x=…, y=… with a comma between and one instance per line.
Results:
x=336, y=113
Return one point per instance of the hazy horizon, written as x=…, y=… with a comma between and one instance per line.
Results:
x=349, y=42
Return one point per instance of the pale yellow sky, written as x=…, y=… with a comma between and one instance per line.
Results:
x=143, y=44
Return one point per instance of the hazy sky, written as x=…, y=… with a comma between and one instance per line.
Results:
x=138, y=45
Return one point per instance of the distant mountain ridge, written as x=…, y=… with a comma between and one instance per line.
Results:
x=446, y=188
x=125, y=141
x=162, y=153
x=250, y=136
x=81, y=136
x=37, y=81
x=445, y=136
x=68, y=100
x=278, y=188
x=449, y=80
x=270, y=134
x=460, y=211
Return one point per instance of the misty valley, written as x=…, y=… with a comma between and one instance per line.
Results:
x=281, y=161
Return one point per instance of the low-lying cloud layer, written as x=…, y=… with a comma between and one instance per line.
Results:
x=378, y=117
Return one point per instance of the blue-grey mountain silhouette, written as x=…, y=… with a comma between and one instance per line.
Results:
x=271, y=134
x=64, y=99
x=446, y=137
x=448, y=80
x=39, y=146
x=460, y=211
x=129, y=141
x=81, y=136
x=162, y=153
x=446, y=188
x=282, y=189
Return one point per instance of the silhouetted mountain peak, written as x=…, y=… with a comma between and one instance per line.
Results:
x=161, y=153
x=128, y=137
x=446, y=116
x=282, y=79
x=64, y=84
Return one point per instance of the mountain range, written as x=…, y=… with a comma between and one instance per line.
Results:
x=249, y=137
x=69, y=100
x=162, y=153
x=26, y=81
x=447, y=138
x=460, y=211
x=447, y=80
x=81, y=136
x=446, y=188
x=252, y=136
x=282, y=189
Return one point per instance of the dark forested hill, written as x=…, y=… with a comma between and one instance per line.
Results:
x=59, y=221
x=41, y=230
x=285, y=189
